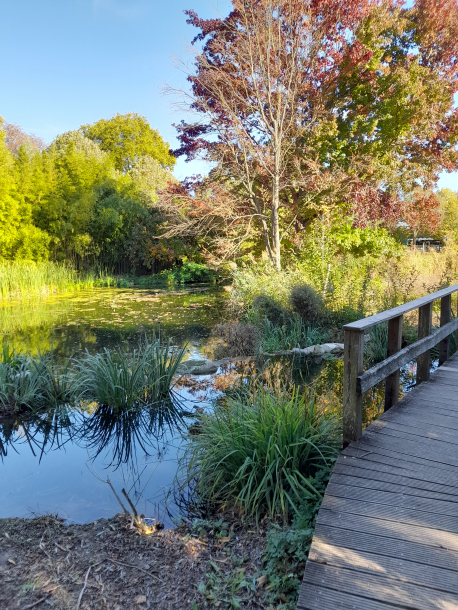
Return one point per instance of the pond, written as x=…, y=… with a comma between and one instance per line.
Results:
x=59, y=462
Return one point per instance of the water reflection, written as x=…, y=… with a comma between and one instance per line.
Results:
x=122, y=432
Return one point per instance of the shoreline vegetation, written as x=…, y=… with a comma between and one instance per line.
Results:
x=23, y=280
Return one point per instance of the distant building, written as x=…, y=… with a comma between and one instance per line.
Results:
x=426, y=244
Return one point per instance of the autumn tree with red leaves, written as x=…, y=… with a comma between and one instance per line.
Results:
x=305, y=104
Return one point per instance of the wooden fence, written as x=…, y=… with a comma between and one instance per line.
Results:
x=356, y=381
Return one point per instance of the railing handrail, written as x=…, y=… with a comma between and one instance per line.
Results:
x=389, y=314
x=356, y=381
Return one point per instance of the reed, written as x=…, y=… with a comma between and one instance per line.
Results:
x=27, y=279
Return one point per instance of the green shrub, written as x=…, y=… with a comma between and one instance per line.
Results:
x=188, y=273
x=266, y=307
x=287, y=549
x=306, y=302
x=258, y=451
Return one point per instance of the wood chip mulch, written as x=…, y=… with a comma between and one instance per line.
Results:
x=107, y=565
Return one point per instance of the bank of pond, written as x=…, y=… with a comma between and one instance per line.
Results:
x=119, y=390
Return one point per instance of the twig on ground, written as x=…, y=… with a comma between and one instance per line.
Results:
x=129, y=565
x=37, y=602
x=60, y=547
x=85, y=584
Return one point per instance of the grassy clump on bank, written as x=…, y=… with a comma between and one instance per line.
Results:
x=259, y=450
x=267, y=455
x=123, y=379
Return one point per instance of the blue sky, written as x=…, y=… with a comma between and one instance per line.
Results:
x=64, y=63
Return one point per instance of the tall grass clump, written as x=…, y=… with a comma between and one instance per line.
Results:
x=27, y=279
x=294, y=333
x=33, y=382
x=31, y=279
x=259, y=451
x=56, y=382
x=124, y=379
x=19, y=386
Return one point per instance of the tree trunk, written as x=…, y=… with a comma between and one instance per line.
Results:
x=275, y=221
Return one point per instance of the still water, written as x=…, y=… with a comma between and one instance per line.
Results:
x=59, y=461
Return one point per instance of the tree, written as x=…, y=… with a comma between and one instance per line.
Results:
x=208, y=212
x=149, y=177
x=422, y=213
x=128, y=138
x=74, y=167
x=309, y=104
x=9, y=209
x=15, y=137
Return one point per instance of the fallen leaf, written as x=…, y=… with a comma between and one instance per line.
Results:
x=11, y=561
x=261, y=581
x=140, y=599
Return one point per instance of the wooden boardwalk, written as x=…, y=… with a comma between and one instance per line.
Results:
x=387, y=531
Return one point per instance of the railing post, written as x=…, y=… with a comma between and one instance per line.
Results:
x=424, y=329
x=352, y=398
x=446, y=316
x=394, y=345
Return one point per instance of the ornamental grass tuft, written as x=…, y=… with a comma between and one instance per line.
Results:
x=259, y=451
x=123, y=379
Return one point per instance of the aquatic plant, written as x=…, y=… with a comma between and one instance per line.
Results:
x=26, y=279
x=56, y=382
x=294, y=333
x=19, y=385
x=121, y=379
x=257, y=452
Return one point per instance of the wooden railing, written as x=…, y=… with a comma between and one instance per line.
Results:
x=356, y=381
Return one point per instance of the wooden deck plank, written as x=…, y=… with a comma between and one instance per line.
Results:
x=399, y=530
x=319, y=598
x=390, y=547
x=387, y=531
x=380, y=588
x=380, y=484
x=383, y=450
x=408, y=478
x=388, y=512
x=387, y=460
x=413, y=572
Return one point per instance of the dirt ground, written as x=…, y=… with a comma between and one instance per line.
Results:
x=107, y=564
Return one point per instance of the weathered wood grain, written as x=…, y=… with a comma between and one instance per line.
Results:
x=390, y=547
x=380, y=588
x=380, y=371
x=384, y=316
x=387, y=531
